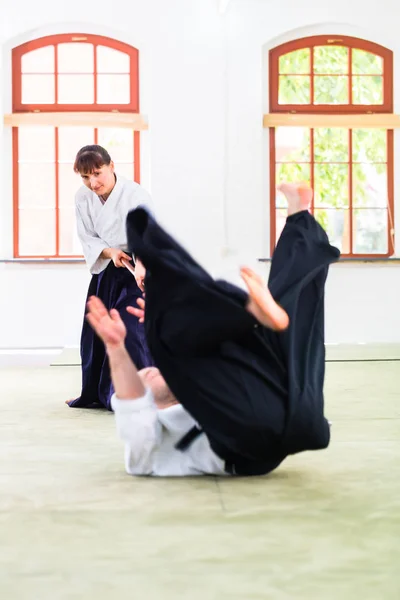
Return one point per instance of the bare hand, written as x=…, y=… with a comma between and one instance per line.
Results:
x=108, y=325
x=248, y=275
x=138, y=312
x=116, y=255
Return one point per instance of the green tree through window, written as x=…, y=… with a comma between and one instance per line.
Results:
x=350, y=170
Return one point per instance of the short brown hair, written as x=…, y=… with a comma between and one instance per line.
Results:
x=90, y=158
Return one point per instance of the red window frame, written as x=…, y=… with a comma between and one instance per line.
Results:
x=323, y=40
x=55, y=40
x=19, y=107
x=386, y=107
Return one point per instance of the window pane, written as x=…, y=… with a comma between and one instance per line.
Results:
x=75, y=89
x=337, y=225
x=369, y=145
x=69, y=243
x=366, y=63
x=36, y=144
x=112, y=61
x=113, y=89
x=370, y=231
x=331, y=90
x=295, y=63
x=292, y=144
x=331, y=145
x=125, y=169
x=294, y=89
x=71, y=140
x=36, y=185
x=368, y=89
x=38, y=89
x=331, y=185
x=38, y=61
x=37, y=232
x=370, y=185
x=75, y=58
x=331, y=59
x=281, y=215
x=118, y=142
x=293, y=173
x=68, y=184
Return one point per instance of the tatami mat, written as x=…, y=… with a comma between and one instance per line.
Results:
x=339, y=352
x=73, y=525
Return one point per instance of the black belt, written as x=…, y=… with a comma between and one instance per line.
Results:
x=188, y=438
x=242, y=467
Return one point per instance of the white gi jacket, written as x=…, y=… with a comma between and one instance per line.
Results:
x=103, y=226
x=150, y=435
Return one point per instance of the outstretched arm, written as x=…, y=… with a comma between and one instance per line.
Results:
x=111, y=329
x=133, y=405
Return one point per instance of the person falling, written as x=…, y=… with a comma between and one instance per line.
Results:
x=239, y=380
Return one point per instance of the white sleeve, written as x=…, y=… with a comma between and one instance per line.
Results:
x=92, y=244
x=138, y=426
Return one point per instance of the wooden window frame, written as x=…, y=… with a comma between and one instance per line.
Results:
x=330, y=111
x=330, y=40
x=19, y=107
x=55, y=40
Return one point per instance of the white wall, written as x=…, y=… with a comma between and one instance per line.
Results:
x=205, y=157
x=362, y=298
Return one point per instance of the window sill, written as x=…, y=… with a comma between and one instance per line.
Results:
x=354, y=260
x=43, y=261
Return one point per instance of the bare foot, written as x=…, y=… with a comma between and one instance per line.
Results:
x=68, y=401
x=298, y=196
x=261, y=304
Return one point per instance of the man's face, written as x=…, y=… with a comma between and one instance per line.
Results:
x=151, y=374
x=140, y=273
x=152, y=378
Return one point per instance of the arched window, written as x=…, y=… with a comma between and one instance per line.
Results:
x=66, y=74
x=349, y=167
